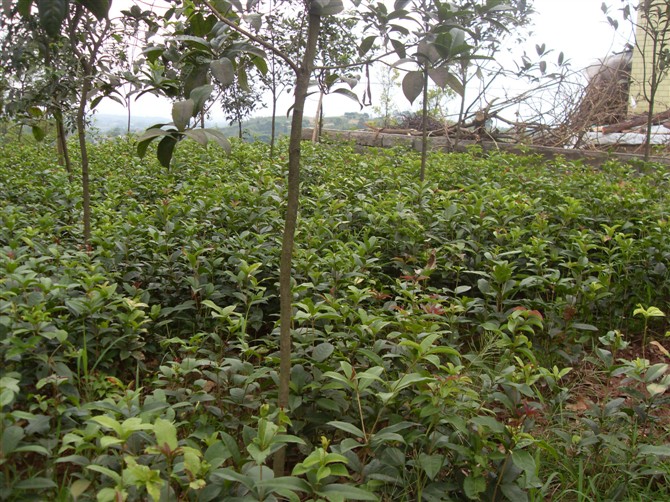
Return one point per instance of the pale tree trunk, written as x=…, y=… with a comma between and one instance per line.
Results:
x=81, y=132
x=316, y=132
x=285, y=293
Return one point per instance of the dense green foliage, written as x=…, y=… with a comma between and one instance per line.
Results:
x=434, y=326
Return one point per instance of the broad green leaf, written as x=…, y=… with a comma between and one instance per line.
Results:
x=490, y=423
x=514, y=492
x=166, y=433
x=198, y=135
x=146, y=138
x=200, y=95
x=655, y=450
x=106, y=471
x=11, y=437
x=431, y=464
x=347, y=427
x=165, y=150
x=427, y=53
x=52, y=14
x=349, y=94
x=473, y=486
x=38, y=133
x=656, y=371
x=455, y=84
x=223, y=71
x=99, y=8
x=254, y=20
x=109, y=423
x=23, y=7
x=219, y=138
x=182, y=111
x=583, y=326
x=412, y=85
x=326, y=7
x=79, y=487
x=439, y=76
x=342, y=492
x=409, y=380
x=366, y=45
x=322, y=351
x=36, y=483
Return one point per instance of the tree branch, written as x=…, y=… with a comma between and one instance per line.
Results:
x=265, y=44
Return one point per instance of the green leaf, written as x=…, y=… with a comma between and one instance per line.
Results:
x=38, y=133
x=285, y=483
x=11, y=437
x=513, y=492
x=198, y=135
x=52, y=14
x=473, y=486
x=109, y=423
x=655, y=450
x=200, y=95
x=166, y=433
x=656, y=371
x=115, y=476
x=366, y=45
x=326, y=7
x=35, y=484
x=455, y=84
x=412, y=85
x=347, y=427
x=431, y=464
x=99, y=8
x=583, y=327
x=490, y=423
x=439, y=76
x=182, y=111
x=165, y=150
x=23, y=7
x=219, y=138
x=349, y=94
x=146, y=138
x=346, y=492
x=79, y=487
x=223, y=71
x=322, y=351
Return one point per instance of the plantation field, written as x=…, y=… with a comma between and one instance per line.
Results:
x=495, y=333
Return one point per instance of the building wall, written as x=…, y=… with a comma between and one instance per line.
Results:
x=640, y=77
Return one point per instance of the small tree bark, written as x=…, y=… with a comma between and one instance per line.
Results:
x=81, y=132
x=292, y=203
x=61, y=145
x=424, y=125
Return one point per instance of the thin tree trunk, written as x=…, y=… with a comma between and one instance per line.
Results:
x=63, y=152
x=285, y=293
x=128, y=108
x=424, y=125
x=274, y=122
x=81, y=131
x=316, y=132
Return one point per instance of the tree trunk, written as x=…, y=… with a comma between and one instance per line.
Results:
x=316, y=132
x=424, y=125
x=61, y=143
x=81, y=132
x=285, y=293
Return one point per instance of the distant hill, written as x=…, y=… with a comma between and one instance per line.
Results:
x=255, y=129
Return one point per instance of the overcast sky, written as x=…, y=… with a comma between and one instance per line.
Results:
x=578, y=28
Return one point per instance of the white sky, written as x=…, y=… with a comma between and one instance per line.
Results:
x=578, y=28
